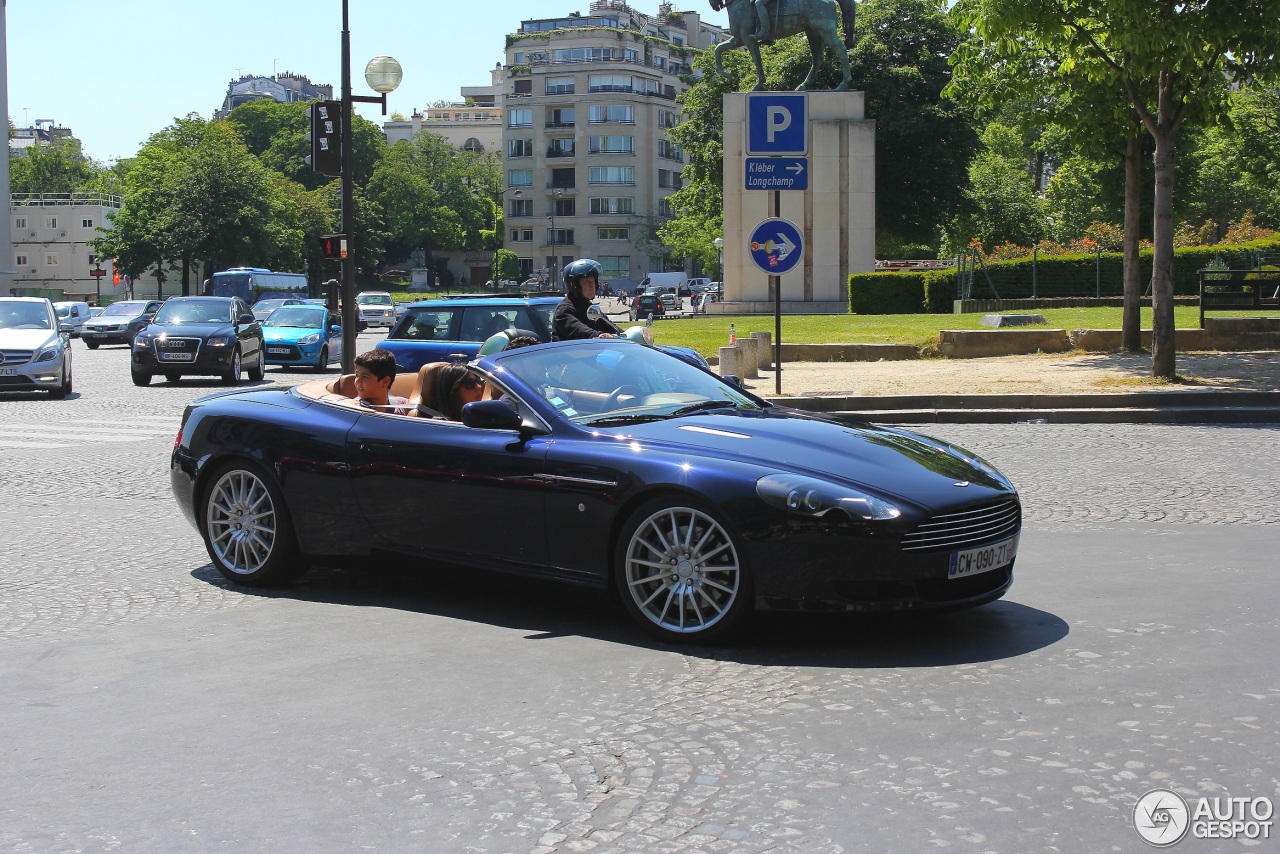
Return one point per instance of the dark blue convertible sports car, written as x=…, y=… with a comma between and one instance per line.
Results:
x=691, y=499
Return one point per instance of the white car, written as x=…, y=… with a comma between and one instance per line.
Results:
x=376, y=308
x=34, y=354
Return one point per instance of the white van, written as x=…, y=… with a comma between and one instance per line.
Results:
x=71, y=316
x=670, y=282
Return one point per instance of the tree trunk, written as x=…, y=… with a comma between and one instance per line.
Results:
x=1165, y=134
x=186, y=277
x=1131, y=321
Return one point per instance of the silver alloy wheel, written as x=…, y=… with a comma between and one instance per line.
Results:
x=233, y=376
x=682, y=570
x=240, y=520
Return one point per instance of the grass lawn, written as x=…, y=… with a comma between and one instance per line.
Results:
x=707, y=333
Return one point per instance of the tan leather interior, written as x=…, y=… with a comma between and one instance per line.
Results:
x=424, y=386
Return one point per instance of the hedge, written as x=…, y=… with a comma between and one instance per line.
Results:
x=1083, y=275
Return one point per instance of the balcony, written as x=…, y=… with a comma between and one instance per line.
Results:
x=560, y=125
x=561, y=152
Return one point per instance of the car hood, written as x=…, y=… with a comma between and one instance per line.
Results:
x=888, y=461
x=26, y=339
x=112, y=320
x=288, y=334
x=190, y=330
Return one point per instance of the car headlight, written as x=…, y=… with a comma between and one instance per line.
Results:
x=218, y=340
x=48, y=354
x=810, y=496
x=310, y=339
x=141, y=341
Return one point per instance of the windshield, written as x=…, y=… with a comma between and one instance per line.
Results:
x=63, y=310
x=304, y=317
x=24, y=315
x=612, y=383
x=267, y=305
x=194, y=311
x=123, y=309
x=373, y=299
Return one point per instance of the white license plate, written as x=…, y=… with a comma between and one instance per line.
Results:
x=985, y=559
x=177, y=357
x=8, y=372
x=279, y=351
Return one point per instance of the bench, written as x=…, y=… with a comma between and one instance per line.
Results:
x=1239, y=290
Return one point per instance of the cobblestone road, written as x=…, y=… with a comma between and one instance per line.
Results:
x=152, y=708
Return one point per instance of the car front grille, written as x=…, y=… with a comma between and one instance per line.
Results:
x=16, y=357
x=177, y=345
x=981, y=524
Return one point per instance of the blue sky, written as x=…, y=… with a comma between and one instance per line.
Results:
x=117, y=72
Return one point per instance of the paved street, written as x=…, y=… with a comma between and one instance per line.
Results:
x=150, y=707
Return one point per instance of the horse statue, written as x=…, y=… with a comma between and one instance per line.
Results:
x=814, y=18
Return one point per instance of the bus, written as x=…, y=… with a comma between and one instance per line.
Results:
x=256, y=283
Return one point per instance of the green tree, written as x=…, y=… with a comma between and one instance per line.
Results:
x=505, y=266
x=277, y=134
x=56, y=167
x=1005, y=206
x=1169, y=58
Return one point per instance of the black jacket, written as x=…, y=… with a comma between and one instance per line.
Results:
x=571, y=321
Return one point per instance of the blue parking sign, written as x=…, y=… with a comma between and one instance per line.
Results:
x=778, y=123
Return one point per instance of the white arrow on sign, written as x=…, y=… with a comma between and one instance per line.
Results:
x=796, y=168
x=787, y=246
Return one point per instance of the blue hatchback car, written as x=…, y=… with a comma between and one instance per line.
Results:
x=302, y=335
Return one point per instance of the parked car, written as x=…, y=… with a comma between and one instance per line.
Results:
x=302, y=335
x=692, y=499
x=119, y=323
x=645, y=305
x=376, y=308
x=262, y=308
x=35, y=354
x=199, y=336
x=71, y=316
x=699, y=301
x=670, y=302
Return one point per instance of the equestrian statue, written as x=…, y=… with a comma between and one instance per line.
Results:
x=752, y=24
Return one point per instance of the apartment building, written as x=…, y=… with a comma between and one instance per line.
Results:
x=286, y=88
x=588, y=160
x=472, y=124
x=51, y=234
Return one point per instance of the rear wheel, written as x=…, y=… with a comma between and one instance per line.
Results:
x=92, y=345
x=246, y=527
x=140, y=377
x=322, y=363
x=680, y=572
x=232, y=376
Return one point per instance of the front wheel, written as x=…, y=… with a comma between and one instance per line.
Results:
x=322, y=363
x=232, y=376
x=140, y=377
x=259, y=369
x=63, y=390
x=92, y=345
x=680, y=572
x=246, y=527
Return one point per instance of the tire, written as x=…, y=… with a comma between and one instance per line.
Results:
x=259, y=370
x=172, y=377
x=232, y=376
x=92, y=345
x=246, y=527
x=140, y=377
x=703, y=591
x=322, y=364
x=63, y=390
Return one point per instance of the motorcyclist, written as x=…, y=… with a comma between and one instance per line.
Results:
x=574, y=318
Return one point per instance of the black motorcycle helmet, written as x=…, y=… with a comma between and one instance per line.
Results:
x=575, y=272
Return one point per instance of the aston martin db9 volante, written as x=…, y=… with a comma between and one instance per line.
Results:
x=604, y=463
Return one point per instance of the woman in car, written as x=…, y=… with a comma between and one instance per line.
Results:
x=456, y=386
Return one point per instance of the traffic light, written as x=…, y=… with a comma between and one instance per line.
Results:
x=333, y=246
x=326, y=137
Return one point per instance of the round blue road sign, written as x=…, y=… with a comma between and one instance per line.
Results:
x=776, y=246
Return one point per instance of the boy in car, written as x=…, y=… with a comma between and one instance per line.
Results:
x=375, y=371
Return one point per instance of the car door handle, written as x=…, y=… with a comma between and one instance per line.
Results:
x=377, y=449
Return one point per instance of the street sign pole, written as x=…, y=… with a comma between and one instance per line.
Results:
x=775, y=282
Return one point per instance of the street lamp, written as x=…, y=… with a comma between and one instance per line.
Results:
x=719, y=244
x=383, y=74
x=555, y=194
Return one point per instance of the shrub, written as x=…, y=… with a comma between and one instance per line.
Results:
x=886, y=293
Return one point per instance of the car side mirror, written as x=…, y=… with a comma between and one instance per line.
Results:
x=491, y=415
x=334, y=330
x=247, y=317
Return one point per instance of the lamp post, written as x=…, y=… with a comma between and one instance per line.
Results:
x=719, y=244
x=383, y=74
x=553, y=242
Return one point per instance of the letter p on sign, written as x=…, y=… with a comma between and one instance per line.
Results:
x=778, y=123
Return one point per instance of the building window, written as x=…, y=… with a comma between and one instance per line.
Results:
x=524, y=86
x=613, y=113
x=519, y=148
x=678, y=41
x=521, y=207
x=667, y=119
x=473, y=144
x=665, y=208
x=51, y=222
x=564, y=178
x=51, y=260
x=668, y=150
x=610, y=83
x=646, y=86
x=517, y=58
x=668, y=180
x=612, y=175
x=559, y=236
x=526, y=268
x=520, y=118
x=20, y=260
x=582, y=54
x=20, y=222
x=86, y=223
x=565, y=207
x=559, y=86
x=613, y=145
x=560, y=117
x=612, y=233
x=615, y=205
x=561, y=147
x=522, y=235
x=520, y=178
x=615, y=266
